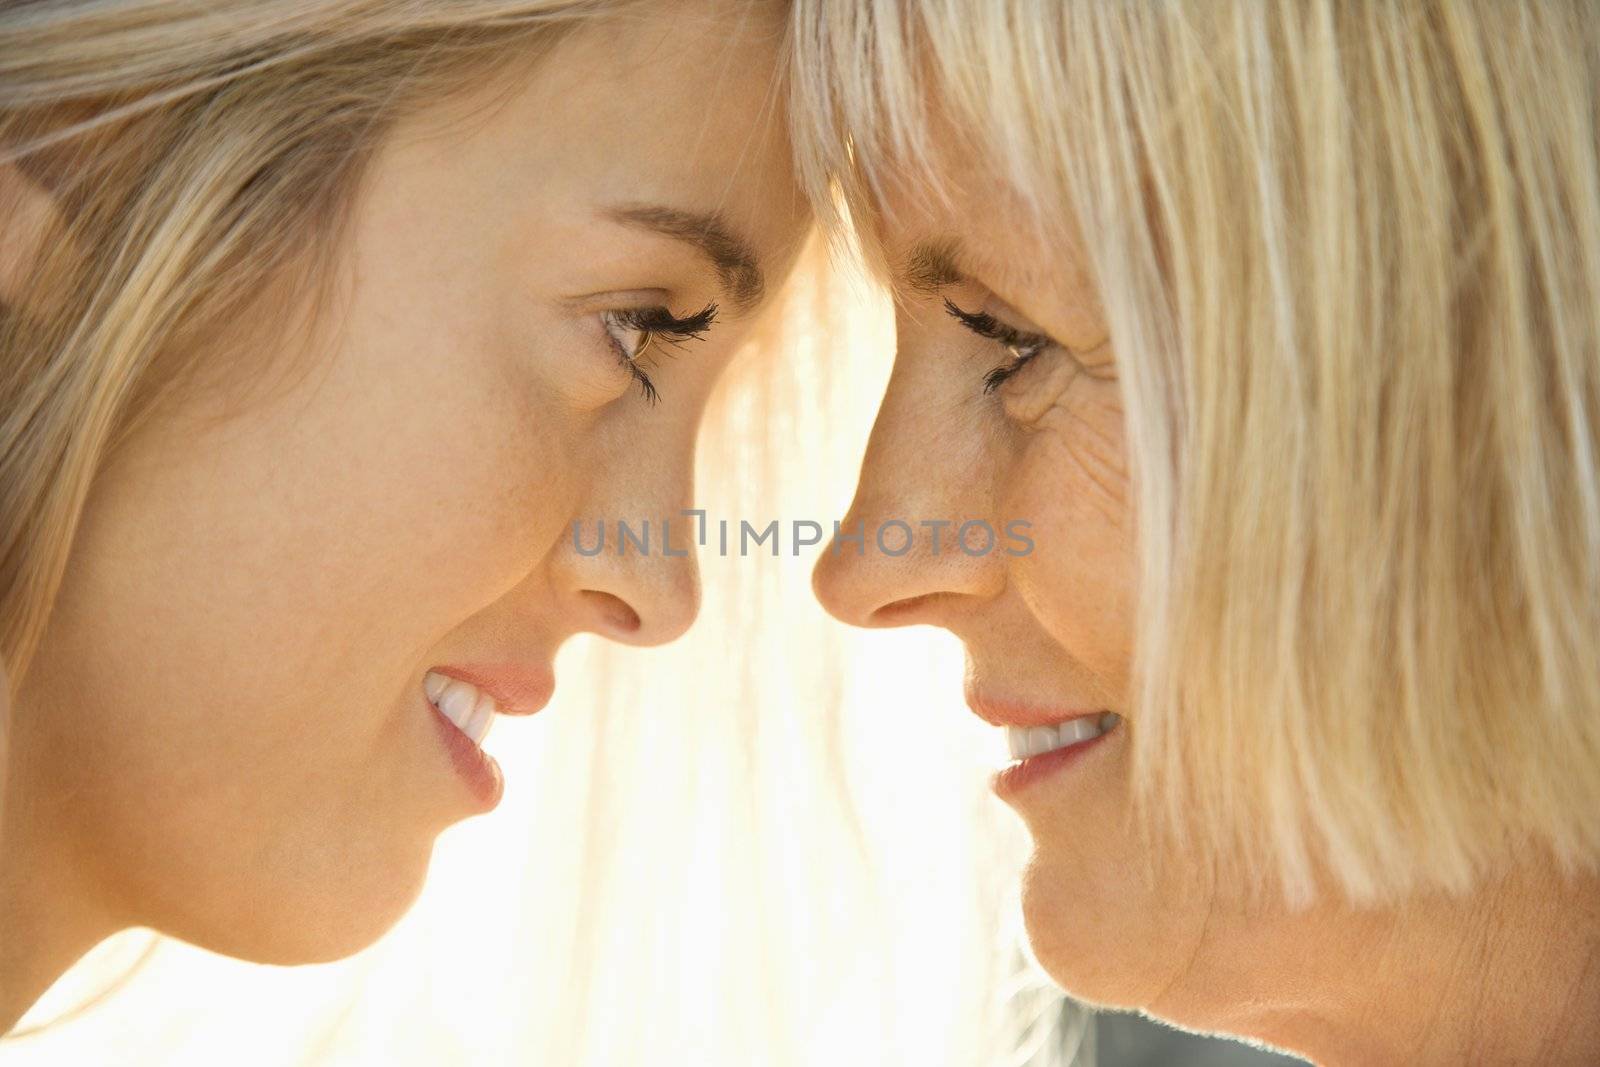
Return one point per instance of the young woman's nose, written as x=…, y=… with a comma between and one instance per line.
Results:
x=635, y=598
x=627, y=557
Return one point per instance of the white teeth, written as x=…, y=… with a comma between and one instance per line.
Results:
x=1025, y=742
x=457, y=702
x=1079, y=730
x=477, y=727
x=471, y=711
x=1017, y=742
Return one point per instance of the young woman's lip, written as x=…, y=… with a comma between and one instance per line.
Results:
x=476, y=767
x=517, y=688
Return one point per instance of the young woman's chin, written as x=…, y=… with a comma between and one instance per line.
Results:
x=292, y=920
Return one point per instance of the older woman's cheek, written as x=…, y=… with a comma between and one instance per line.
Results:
x=1078, y=578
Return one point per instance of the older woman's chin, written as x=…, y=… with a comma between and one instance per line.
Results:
x=1102, y=939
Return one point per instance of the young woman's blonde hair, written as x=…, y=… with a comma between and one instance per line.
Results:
x=171, y=164
x=1349, y=253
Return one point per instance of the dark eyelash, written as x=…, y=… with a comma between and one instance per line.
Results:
x=1023, y=346
x=659, y=320
x=666, y=327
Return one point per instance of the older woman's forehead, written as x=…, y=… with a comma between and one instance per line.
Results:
x=944, y=224
x=940, y=236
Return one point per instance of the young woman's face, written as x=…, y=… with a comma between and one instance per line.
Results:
x=1004, y=408
x=227, y=734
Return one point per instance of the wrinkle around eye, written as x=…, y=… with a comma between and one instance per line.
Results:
x=1080, y=435
x=1034, y=389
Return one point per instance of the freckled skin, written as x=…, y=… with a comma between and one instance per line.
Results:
x=1053, y=627
x=224, y=735
x=1118, y=919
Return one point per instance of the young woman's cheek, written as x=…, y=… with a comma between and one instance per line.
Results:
x=295, y=567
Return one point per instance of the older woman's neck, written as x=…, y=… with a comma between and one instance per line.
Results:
x=1510, y=975
x=1507, y=975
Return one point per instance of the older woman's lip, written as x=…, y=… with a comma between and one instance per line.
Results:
x=1000, y=712
x=1015, y=779
x=1039, y=760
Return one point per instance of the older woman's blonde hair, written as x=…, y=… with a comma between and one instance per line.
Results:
x=1349, y=253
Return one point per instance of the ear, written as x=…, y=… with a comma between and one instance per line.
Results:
x=27, y=211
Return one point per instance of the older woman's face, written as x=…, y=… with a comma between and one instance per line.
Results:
x=228, y=734
x=1005, y=408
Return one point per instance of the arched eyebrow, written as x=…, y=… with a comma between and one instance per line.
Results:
x=731, y=255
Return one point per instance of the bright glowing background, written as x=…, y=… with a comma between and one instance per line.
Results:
x=769, y=843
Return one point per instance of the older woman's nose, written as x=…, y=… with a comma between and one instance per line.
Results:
x=917, y=541
x=892, y=569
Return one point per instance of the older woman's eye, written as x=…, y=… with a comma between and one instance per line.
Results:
x=1021, y=346
x=637, y=333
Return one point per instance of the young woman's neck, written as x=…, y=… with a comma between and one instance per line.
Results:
x=47, y=919
x=1510, y=974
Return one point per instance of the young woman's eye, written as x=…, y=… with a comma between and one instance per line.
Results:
x=1019, y=345
x=639, y=334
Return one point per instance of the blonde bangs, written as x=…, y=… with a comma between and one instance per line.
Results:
x=1350, y=255
x=866, y=82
